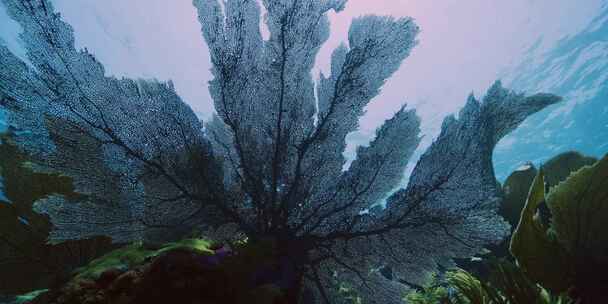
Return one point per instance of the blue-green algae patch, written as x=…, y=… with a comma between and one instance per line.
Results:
x=136, y=254
x=25, y=298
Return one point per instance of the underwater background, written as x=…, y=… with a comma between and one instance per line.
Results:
x=560, y=48
x=577, y=69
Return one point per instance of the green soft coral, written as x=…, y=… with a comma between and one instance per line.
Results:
x=469, y=289
x=580, y=213
x=572, y=254
x=432, y=292
x=507, y=285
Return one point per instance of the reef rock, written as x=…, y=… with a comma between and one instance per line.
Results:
x=190, y=271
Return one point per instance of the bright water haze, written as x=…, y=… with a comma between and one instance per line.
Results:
x=463, y=47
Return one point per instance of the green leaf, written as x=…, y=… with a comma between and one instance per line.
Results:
x=534, y=246
x=580, y=212
x=560, y=167
x=516, y=189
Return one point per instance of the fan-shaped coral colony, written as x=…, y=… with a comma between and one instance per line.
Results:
x=115, y=192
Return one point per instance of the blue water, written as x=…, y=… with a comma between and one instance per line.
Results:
x=577, y=69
